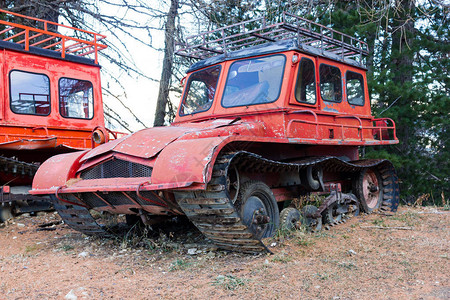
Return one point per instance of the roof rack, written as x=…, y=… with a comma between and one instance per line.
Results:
x=43, y=35
x=256, y=31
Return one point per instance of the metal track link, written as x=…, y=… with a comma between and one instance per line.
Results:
x=17, y=167
x=214, y=214
x=79, y=219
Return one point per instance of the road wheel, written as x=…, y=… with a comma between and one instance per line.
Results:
x=289, y=218
x=313, y=224
x=258, y=208
x=368, y=189
x=233, y=183
x=331, y=215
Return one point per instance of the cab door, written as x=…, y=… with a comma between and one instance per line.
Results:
x=304, y=99
x=304, y=91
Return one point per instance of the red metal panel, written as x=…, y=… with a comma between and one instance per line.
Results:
x=55, y=171
x=109, y=185
x=185, y=160
x=145, y=143
x=148, y=142
x=26, y=144
x=54, y=69
x=2, y=83
x=104, y=148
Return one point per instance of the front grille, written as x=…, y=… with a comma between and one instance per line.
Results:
x=113, y=198
x=116, y=168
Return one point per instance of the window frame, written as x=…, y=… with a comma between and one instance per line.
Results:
x=188, y=85
x=59, y=98
x=341, y=83
x=246, y=59
x=297, y=82
x=363, y=88
x=49, y=94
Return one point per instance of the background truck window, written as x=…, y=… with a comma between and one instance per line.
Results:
x=76, y=99
x=29, y=93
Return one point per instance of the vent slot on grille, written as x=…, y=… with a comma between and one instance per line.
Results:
x=117, y=168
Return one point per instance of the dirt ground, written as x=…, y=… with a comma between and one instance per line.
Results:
x=401, y=256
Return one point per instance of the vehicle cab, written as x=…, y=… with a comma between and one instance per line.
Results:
x=51, y=97
x=303, y=92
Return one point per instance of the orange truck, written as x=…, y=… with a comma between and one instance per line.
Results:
x=271, y=114
x=50, y=102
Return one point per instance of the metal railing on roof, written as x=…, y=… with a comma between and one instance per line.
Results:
x=42, y=34
x=256, y=31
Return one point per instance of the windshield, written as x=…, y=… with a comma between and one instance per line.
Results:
x=254, y=81
x=200, y=91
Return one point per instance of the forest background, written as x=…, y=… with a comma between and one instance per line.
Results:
x=407, y=66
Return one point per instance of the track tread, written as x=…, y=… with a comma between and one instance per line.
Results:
x=214, y=213
x=225, y=227
x=79, y=219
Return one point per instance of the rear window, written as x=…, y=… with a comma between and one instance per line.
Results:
x=330, y=83
x=76, y=98
x=29, y=93
x=254, y=81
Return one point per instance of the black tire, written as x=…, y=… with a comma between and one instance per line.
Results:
x=254, y=196
x=313, y=224
x=5, y=213
x=370, y=200
x=289, y=218
x=391, y=191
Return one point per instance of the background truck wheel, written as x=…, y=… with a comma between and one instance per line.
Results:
x=368, y=189
x=5, y=213
x=258, y=209
x=289, y=218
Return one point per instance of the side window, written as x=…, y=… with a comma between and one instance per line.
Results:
x=29, y=93
x=355, y=88
x=305, y=90
x=254, y=81
x=200, y=91
x=76, y=98
x=330, y=83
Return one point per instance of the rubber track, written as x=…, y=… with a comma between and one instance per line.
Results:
x=79, y=219
x=214, y=214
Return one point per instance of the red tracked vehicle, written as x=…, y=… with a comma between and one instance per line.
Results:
x=269, y=114
x=50, y=101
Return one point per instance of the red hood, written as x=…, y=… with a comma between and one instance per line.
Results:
x=149, y=142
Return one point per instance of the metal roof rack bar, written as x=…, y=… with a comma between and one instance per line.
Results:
x=80, y=42
x=257, y=31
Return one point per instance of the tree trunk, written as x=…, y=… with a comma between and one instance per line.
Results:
x=403, y=26
x=166, y=74
x=402, y=66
